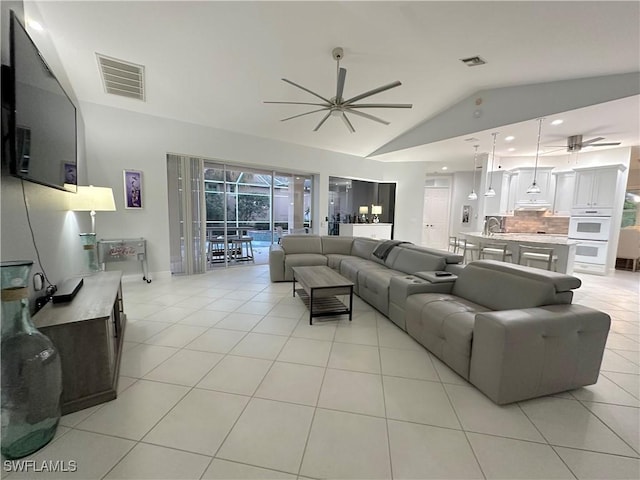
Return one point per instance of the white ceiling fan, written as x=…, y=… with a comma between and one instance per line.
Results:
x=339, y=106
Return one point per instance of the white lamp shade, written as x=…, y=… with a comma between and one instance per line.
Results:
x=376, y=209
x=363, y=210
x=90, y=198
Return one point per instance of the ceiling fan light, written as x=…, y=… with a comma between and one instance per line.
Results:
x=336, y=112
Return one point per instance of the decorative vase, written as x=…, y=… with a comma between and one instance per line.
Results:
x=31, y=373
x=89, y=247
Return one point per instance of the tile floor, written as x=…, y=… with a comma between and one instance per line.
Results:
x=222, y=377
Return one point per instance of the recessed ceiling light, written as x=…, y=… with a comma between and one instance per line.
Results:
x=510, y=138
x=444, y=168
x=511, y=149
x=557, y=122
x=35, y=25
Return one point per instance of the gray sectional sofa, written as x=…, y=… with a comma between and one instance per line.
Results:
x=510, y=330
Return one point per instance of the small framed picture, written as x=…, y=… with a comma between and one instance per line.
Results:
x=132, y=189
x=466, y=213
x=70, y=173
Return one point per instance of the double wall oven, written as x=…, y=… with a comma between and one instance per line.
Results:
x=592, y=236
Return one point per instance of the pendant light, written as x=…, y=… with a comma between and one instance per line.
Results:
x=473, y=195
x=534, y=189
x=490, y=191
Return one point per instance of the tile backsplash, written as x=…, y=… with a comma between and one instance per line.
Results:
x=527, y=221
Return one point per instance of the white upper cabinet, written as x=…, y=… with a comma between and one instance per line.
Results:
x=525, y=177
x=563, y=198
x=595, y=190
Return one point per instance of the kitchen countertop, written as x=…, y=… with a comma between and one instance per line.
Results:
x=526, y=238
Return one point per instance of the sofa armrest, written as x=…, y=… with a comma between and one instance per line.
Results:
x=520, y=354
x=276, y=263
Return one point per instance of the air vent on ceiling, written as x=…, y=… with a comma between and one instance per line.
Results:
x=122, y=78
x=473, y=61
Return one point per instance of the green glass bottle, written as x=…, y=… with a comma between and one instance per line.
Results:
x=31, y=373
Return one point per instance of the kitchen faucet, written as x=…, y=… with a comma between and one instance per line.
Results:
x=492, y=225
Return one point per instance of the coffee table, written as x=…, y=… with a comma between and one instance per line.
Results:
x=320, y=285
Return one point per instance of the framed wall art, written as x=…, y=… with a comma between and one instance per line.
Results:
x=133, y=189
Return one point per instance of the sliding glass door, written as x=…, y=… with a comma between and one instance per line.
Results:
x=245, y=210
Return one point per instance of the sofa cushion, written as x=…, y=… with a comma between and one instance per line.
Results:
x=364, y=247
x=410, y=260
x=335, y=244
x=377, y=280
x=449, y=258
x=335, y=259
x=350, y=266
x=301, y=244
x=443, y=323
x=302, y=260
x=500, y=286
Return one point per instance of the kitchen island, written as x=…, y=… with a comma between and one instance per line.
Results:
x=563, y=248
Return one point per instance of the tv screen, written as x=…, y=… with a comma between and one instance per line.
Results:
x=42, y=118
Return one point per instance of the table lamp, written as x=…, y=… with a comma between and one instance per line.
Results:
x=375, y=211
x=363, y=211
x=92, y=199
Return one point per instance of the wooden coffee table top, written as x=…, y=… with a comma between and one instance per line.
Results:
x=320, y=277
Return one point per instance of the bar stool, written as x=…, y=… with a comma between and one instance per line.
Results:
x=538, y=255
x=467, y=247
x=496, y=250
x=453, y=244
x=242, y=248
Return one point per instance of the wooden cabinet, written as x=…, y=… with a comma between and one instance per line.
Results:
x=563, y=196
x=88, y=333
x=596, y=187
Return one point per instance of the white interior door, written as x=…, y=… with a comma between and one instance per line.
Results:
x=435, y=221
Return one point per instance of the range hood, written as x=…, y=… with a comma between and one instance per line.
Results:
x=533, y=207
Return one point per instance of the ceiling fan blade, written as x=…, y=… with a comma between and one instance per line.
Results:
x=380, y=105
x=593, y=140
x=348, y=123
x=342, y=75
x=306, y=90
x=610, y=144
x=303, y=114
x=299, y=103
x=370, y=117
x=324, y=119
x=373, y=92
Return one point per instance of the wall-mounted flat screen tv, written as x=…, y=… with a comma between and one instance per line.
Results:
x=41, y=120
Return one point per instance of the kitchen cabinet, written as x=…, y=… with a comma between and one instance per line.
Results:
x=595, y=189
x=497, y=205
x=563, y=195
x=525, y=179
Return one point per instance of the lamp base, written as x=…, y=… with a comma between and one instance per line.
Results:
x=376, y=219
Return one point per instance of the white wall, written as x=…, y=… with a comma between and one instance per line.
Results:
x=55, y=228
x=118, y=139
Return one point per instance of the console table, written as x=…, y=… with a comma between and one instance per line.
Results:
x=88, y=333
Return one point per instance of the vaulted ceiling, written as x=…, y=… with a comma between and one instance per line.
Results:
x=214, y=63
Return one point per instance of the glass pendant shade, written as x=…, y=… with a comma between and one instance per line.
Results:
x=534, y=188
x=473, y=195
x=31, y=372
x=490, y=193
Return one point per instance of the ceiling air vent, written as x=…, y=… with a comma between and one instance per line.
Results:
x=121, y=78
x=473, y=61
